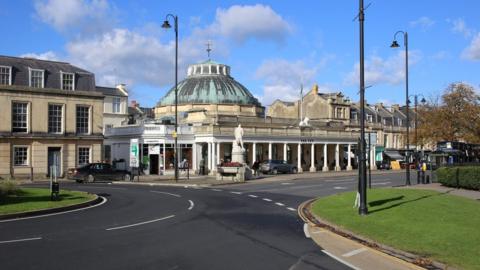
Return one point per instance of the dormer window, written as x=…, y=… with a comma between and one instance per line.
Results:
x=369, y=118
x=37, y=78
x=67, y=81
x=5, y=75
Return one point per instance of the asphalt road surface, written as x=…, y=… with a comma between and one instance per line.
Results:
x=249, y=226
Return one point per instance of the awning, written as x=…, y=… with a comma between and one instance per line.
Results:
x=394, y=155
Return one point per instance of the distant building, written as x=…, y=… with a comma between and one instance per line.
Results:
x=51, y=115
x=115, y=105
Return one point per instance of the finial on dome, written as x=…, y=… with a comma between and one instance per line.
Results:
x=209, y=49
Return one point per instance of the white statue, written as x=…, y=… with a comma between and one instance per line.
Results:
x=239, y=135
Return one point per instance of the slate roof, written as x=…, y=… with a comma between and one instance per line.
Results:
x=111, y=91
x=84, y=80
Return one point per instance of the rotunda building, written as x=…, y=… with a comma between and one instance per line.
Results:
x=208, y=91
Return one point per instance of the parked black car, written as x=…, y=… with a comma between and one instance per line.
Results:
x=277, y=166
x=98, y=171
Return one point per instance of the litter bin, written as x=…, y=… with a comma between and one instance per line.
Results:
x=55, y=196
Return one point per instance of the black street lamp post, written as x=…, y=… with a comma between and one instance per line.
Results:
x=415, y=99
x=362, y=210
x=167, y=25
x=395, y=45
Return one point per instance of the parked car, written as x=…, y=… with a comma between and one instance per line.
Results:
x=98, y=171
x=277, y=166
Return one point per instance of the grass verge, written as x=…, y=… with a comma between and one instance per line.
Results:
x=434, y=225
x=30, y=199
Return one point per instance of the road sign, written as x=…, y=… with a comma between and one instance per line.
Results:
x=134, y=153
x=174, y=134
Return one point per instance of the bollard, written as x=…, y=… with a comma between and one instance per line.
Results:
x=427, y=180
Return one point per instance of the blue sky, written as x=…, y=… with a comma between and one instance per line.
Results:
x=272, y=46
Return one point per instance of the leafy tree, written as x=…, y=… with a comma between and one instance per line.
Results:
x=455, y=116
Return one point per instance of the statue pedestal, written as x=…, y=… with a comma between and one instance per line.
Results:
x=238, y=154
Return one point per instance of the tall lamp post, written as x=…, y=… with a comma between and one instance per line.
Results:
x=362, y=210
x=166, y=25
x=395, y=45
x=415, y=99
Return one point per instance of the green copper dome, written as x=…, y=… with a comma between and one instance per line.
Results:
x=209, y=83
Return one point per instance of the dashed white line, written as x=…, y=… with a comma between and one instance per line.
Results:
x=267, y=200
x=191, y=205
x=291, y=209
x=340, y=260
x=287, y=183
x=104, y=200
x=20, y=240
x=354, y=252
x=339, y=188
x=236, y=192
x=279, y=204
x=140, y=223
x=215, y=189
x=252, y=196
x=166, y=193
x=381, y=183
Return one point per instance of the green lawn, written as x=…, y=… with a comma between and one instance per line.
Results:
x=435, y=225
x=29, y=199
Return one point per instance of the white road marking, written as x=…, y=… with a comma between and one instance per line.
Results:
x=59, y=213
x=267, y=200
x=191, y=205
x=339, y=188
x=252, y=196
x=215, y=189
x=291, y=209
x=340, y=260
x=20, y=240
x=280, y=204
x=287, y=183
x=305, y=230
x=166, y=193
x=140, y=223
x=236, y=192
x=381, y=183
x=354, y=252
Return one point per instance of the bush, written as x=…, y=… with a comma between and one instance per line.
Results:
x=8, y=188
x=461, y=177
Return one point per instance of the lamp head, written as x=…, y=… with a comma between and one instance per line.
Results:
x=394, y=44
x=166, y=25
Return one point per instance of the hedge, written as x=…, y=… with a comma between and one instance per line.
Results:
x=467, y=177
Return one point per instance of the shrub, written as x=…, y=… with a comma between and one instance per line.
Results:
x=8, y=188
x=461, y=177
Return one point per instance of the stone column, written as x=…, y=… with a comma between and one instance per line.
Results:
x=372, y=155
x=337, y=158
x=270, y=150
x=254, y=150
x=285, y=152
x=349, y=162
x=325, y=158
x=164, y=160
x=299, y=158
x=218, y=153
x=312, y=158
x=209, y=156
x=214, y=159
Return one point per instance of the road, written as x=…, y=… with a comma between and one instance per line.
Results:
x=249, y=226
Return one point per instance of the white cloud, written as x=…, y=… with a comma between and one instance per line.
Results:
x=378, y=70
x=129, y=57
x=459, y=26
x=472, y=52
x=283, y=79
x=87, y=16
x=43, y=56
x=423, y=22
x=241, y=23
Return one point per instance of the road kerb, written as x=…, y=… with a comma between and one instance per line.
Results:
x=406, y=257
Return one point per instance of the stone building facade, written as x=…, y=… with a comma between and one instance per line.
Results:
x=51, y=116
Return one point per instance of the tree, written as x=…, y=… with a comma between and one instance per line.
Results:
x=453, y=117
